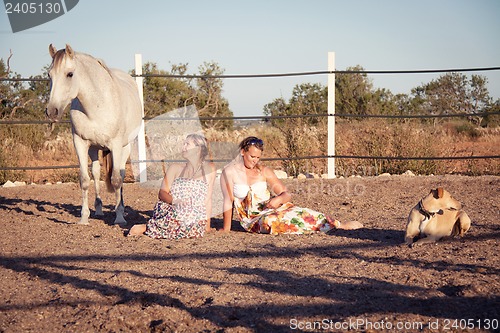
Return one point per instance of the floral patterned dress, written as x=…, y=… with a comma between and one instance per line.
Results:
x=182, y=220
x=250, y=201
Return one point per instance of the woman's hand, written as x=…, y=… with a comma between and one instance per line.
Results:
x=278, y=200
x=273, y=203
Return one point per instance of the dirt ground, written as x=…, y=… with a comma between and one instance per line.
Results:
x=57, y=276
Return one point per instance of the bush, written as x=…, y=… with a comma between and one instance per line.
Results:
x=27, y=145
x=468, y=129
x=6, y=175
x=377, y=138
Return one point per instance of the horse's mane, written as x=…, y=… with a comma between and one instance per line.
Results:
x=103, y=65
x=59, y=56
x=99, y=61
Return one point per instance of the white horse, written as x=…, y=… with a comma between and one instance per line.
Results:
x=105, y=113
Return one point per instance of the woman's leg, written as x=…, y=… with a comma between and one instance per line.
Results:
x=350, y=225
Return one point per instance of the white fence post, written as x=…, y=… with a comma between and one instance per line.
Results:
x=331, y=112
x=141, y=137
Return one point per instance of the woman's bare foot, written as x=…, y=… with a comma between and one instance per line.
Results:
x=137, y=230
x=350, y=225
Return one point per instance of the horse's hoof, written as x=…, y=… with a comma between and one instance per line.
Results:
x=120, y=222
x=83, y=222
x=99, y=213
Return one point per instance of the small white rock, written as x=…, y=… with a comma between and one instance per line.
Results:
x=280, y=174
x=9, y=184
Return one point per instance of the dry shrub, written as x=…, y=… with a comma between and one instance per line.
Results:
x=300, y=139
x=20, y=150
x=17, y=145
x=463, y=128
x=485, y=141
x=379, y=138
x=294, y=138
x=375, y=137
x=9, y=157
x=224, y=143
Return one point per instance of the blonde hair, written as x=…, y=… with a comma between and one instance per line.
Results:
x=200, y=141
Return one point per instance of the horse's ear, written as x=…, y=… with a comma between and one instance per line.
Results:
x=440, y=192
x=52, y=50
x=69, y=51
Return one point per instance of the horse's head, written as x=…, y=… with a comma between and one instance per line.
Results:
x=63, y=81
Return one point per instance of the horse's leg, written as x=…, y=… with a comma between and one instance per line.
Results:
x=96, y=174
x=117, y=177
x=82, y=149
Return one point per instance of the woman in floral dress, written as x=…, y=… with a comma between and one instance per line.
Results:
x=184, y=201
x=248, y=185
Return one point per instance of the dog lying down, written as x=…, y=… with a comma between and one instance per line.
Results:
x=437, y=215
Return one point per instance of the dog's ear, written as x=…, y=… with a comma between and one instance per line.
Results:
x=439, y=192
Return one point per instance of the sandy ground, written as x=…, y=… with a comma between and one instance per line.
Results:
x=57, y=276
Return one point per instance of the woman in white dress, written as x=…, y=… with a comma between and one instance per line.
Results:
x=248, y=185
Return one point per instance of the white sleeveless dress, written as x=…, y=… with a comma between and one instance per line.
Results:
x=250, y=200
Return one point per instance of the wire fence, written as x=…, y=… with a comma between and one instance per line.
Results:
x=388, y=158
x=270, y=75
x=268, y=118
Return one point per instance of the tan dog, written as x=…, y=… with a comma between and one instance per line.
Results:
x=437, y=215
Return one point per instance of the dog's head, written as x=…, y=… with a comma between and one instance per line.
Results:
x=439, y=199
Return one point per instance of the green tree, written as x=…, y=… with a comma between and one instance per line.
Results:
x=353, y=93
x=5, y=91
x=404, y=105
x=384, y=102
x=492, y=120
x=453, y=93
x=163, y=93
x=479, y=96
x=307, y=99
x=310, y=99
x=20, y=100
x=278, y=107
x=209, y=100
x=299, y=136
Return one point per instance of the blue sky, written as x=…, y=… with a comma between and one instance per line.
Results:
x=273, y=36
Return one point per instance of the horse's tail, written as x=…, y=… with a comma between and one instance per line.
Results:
x=107, y=162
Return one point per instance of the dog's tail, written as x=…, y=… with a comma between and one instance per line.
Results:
x=456, y=229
